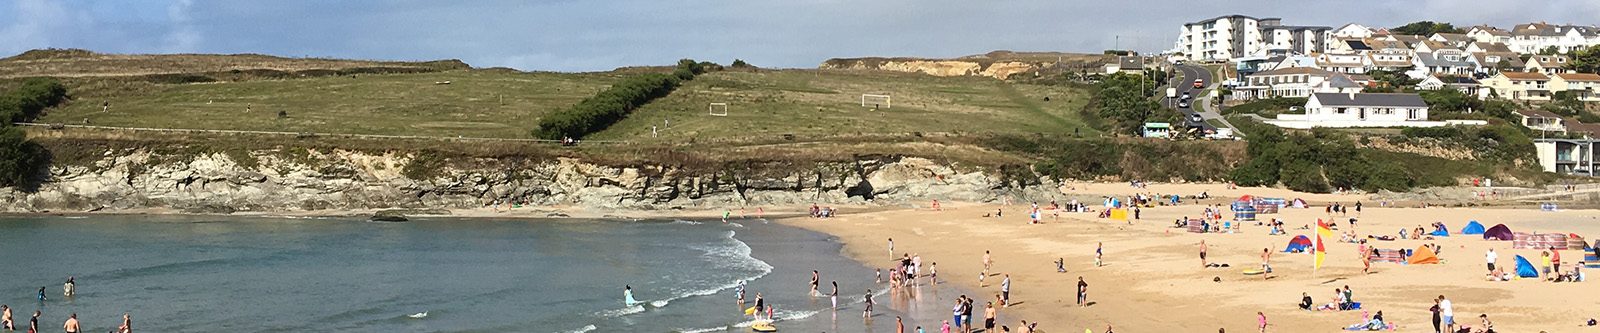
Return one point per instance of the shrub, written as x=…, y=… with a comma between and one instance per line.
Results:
x=26, y=101
x=20, y=159
x=612, y=105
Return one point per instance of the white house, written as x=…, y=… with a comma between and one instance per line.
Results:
x=1353, y=30
x=1567, y=156
x=1352, y=63
x=1296, y=82
x=1452, y=39
x=1541, y=120
x=1488, y=34
x=1446, y=62
x=1463, y=84
x=1126, y=64
x=1534, y=37
x=1344, y=110
x=1547, y=64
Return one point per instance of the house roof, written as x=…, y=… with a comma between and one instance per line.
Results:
x=1550, y=30
x=1234, y=16
x=1401, y=42
x=1575, y=126
x=1537, y=113
x=1492, y=30
x=1511, y=59
x=1370, y=99
x=1360, y=77
x=1342, y=81
x=1549, y=61
x=1492, y=47
x=1438, y=59
x=1453, y=37
x=1129, y=63
x=1294, y=71
x=1456, y=80
x=1524, y=75
x=1356, y=44
x=1408, y=39
x=1581, y=77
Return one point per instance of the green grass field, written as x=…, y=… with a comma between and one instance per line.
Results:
x=477, y=103
x=810, y=104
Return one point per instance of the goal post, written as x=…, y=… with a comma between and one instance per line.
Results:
x=876, y=101
x=718, y=109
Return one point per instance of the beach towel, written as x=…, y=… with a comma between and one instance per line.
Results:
x=1440, y=233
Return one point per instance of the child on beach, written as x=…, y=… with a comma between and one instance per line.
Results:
x=1261, y=321
x=933, y=273
x=1099, y=250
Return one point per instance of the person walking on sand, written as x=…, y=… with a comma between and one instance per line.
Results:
x=1083, y=292
x=1099, y=251
x=1266, y=262
x=933, y=273
x=1261, y=321
x=1436, y=319
x=1203, y=254
x=71, y=326
x=987, y=261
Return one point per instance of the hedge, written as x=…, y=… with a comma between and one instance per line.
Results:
x=612, y=105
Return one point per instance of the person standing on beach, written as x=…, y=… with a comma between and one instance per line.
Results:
x=1266, y=262
x=1083, y=292
x=834, y=296
x=1436, y=310
x=1005, y=291
x=877, y=275
x=891, y=247
x=1261, y=321
x=966, y=314
x=71, y=326
x=933, y=273
x=1203, y=254
x=988, y=317
x=955, y=311
x=1448, y=313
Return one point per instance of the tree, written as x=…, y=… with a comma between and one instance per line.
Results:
x=1584, y=60
x=739, y=63
x=20, y=159
x=1550, y=50
x=1425, y=28
x=1123, y=99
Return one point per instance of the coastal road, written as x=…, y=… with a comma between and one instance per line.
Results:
x=1202, y=101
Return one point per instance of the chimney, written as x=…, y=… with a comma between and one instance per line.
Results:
x=1352, y=95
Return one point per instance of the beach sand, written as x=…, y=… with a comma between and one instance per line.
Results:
x=1153, y=281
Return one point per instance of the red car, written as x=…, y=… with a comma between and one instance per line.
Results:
x=1198, y=83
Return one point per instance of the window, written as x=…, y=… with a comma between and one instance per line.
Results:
x=1340, y=111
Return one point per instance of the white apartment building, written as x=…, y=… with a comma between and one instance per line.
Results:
x=1533, y=37
x=1237, y=36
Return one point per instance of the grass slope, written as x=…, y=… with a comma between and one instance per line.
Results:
x=826, y=103
x=477, y=103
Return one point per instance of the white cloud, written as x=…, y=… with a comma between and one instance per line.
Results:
x=183, y=37
x=36, y=24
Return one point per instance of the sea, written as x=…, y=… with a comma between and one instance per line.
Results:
x=282, y=274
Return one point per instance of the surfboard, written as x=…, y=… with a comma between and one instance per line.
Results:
x=1253, y=272
x=750, y=312
x=763, y=327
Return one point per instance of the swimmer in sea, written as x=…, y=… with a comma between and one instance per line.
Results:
x=41, y=294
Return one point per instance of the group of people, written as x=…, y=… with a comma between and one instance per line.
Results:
x=822, y=212
x=1342, y=210
x=71, y=325
x=1343, y=299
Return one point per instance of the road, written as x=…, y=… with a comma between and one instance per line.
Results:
x=1188, y=74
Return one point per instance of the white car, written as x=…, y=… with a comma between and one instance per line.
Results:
x=1196, y=118
x=1183, y=105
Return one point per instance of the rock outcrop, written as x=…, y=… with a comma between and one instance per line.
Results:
x=348, y=180
x=999, y=64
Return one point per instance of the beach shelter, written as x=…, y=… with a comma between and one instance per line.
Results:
x=1525, y=268
x=1298, y=244
x=1297, y=203
x=1499, y=232
x=1423, y=256
x=1244, y=213
x=1119, y=214
x=1472, y=228
x=1444, y=232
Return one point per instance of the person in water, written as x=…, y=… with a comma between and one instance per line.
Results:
x=834, y=296
x=70, y=288
x=33, y=324
x=71, y=326
x=41, y=294
x=627, y=295
x=127, y=324
x=761, y=304
x=5, y=318
x=868, y=301
x=816, y=278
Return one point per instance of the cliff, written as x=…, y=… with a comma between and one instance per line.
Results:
x=998, y=64
x=265, y=181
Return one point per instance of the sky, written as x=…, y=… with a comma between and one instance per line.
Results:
x=598, y=35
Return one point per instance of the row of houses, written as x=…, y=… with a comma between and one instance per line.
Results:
x=1235, y=37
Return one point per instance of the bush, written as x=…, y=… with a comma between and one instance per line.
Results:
x=20, y=159
x=32, y=97
x=612, y=105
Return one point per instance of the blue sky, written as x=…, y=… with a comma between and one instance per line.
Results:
x=590, y=35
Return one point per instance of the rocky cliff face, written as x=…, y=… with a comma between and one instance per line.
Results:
x=267, y=182
x=998, y=70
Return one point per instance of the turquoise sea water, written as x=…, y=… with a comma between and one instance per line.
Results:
x=237, y=274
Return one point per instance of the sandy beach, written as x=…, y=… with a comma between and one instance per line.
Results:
x=1152, y=280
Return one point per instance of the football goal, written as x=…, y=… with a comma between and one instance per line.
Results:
x=875, y=101
x=718, y=109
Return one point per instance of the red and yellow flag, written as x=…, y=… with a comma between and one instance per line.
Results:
x=1321, y=250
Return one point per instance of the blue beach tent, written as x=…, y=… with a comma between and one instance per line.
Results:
x=1472, y=228
x=1525, y=268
